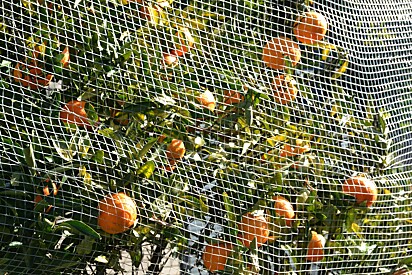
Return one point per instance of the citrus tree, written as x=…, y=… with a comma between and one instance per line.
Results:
x=127, y=123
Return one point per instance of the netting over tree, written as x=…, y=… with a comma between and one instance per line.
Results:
x=193, y=137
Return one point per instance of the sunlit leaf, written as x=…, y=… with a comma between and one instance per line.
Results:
x=147, y=169
x=229, y=210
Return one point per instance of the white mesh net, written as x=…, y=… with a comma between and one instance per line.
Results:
x=199, y=137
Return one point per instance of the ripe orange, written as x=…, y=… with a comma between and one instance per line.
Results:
x=207, y=99
x=402, y=271
x=74, y=113
x=284, y=89
x=310, y=28
x=176, y=149
x=186, y=42
x=233, y=97
x=18, y=73
x=315, y=248
x=215, y=256
x=37, y=78
x=276, y=51
x=284, y=208
x=251, y=227
x=292, y=151
x=118, y=212
x=363, y=189
x=66, y=57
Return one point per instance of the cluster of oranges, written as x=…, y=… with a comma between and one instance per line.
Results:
x=32, y=74
x=282, y=52
x=251, y=228
x=256, y=227
x=118, y=212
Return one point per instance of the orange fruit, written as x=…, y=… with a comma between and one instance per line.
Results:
x=118, y=212
x=37, y=78
x=315, y=248
x=292, y=151
x=363, y=189
x=215, y=256
x=233, y=97
x=44, y=80
x=276, y=50
x=176, y=149
x=66, y=57
x=170, y=60
x=284, y=89
x=284, y=209
x=402, y=271
x=310, y=28
x=252, y=227
x=186, y=42
x=18, y=73
x=74, y=113
x=207, y=99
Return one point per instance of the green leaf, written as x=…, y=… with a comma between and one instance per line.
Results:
x=3, y=261
x=80, y=227
x=110, y=133
x=229, y=210
x=63, y=150
x=91, y=114
x=139, y=107
x=406, y=261
x=147, y=147
x=29, y=156
x=85, y=247
x=147, y=169
x=136, y=256
x=99, y=156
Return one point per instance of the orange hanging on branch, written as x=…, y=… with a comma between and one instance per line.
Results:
x=363, y=189
x=253, y=226
x=310, y=28
x=118, y=212
x=215, y=256
x=278, y=50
